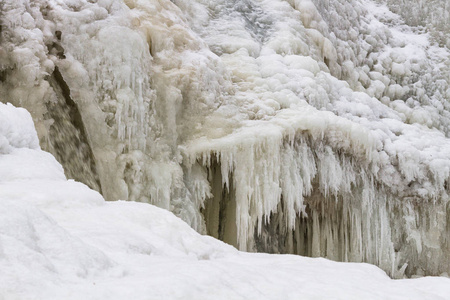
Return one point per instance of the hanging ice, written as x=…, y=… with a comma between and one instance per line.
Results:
x=312, y=127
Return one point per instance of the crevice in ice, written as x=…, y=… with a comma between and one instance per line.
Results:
x=220, y=210
x=3, y=75
x=68, y=137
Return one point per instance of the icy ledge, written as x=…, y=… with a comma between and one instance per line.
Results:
x=312, y=183
x=61, y=240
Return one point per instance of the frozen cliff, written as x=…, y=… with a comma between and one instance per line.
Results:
x=319, y=128
x=61, y=240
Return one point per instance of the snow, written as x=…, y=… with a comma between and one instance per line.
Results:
x=61, y=240
x=318, y=128
x=21, y=136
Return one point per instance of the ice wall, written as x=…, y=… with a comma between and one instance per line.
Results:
x=113, y=87
x=312, y=127
x=358, y=177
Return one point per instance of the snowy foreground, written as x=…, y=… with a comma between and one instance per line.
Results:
x=61, y=240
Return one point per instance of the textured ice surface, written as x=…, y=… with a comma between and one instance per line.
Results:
x=343, y=122
x=311, y=127
x=61, y=240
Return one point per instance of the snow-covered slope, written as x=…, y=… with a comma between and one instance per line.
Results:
x=318, y=128
x=61, y=240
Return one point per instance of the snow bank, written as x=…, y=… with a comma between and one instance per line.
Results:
x=61, y=240
x=16, y=129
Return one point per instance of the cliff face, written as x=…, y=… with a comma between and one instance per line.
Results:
x=319, y=128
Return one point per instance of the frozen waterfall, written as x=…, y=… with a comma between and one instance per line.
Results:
x=311, y=127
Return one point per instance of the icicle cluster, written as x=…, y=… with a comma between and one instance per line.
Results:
x=308, y=194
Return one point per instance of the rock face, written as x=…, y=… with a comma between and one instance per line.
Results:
x=319, y=128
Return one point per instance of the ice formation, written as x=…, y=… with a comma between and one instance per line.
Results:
x=61, y=240
x=319, y=128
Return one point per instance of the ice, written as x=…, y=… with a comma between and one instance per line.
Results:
x=60, y=239
x=318, y=128
x=254, y=164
